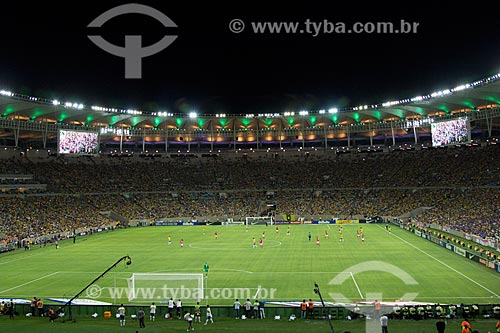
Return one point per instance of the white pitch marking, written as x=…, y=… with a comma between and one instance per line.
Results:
x=446, y=265
x=21, y=285
x=356, y=284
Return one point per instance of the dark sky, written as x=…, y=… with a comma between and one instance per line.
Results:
x=46, y=52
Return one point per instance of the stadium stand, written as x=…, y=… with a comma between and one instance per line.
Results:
x=458, y=184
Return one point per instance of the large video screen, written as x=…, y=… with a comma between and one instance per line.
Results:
x=450, y=132
x=78, y=143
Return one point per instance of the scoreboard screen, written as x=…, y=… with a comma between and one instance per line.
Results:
x=77, y=142
x=450, y=132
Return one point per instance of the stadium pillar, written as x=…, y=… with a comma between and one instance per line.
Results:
x=348, y=137
x=415, y=132
x=257, y=134
x=234, y=135
x=143, y=139
x=326, y=139
x=370, y=134
x=303, y=133
x=121, y=140
x=212, y=136
x=45, y=134
x=489, y=123
x=393, y=138
x=280, y=133
x=16, y=133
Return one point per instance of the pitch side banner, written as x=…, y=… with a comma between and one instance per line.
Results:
x=472, y=256
x=487, y=263
x=346, y=222
x=159, y=223
x=459, y=251
x=324, y=221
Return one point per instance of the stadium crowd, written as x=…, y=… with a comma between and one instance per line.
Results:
x=459, y=185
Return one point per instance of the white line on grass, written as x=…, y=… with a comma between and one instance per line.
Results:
x=356, y=284
x=445, y=265
x=32, y=255
x=22, y=285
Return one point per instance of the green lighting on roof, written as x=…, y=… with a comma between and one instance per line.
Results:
x=312, y=119
x=37, y=113
x=157, y=121
x=335, y=118
x=290, y=121
x=420, y=111
x=493, y=99
x=135, y=121
x=63, y=116
x=201, y=122
x=223, y=122
x=469, y=104
x=268, y=122
x=179, y=121
x=245, y=122
x=114, y=120
x=444, y=108
x=377, y=115
x=8, y=110
x=356, y=117
x=398, y=112
x=89, y=118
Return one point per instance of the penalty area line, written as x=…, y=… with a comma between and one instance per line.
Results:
x=356, y=284
x=446, y=265
x=35, y=280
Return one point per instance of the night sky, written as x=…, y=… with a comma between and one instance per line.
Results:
x=46, y=53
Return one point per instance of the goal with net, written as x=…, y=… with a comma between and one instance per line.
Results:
x=163, y=286
x=253, y=220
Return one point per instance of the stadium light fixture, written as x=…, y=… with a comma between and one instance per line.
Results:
x=303, y=113
x=193, y=115
x=321, y=111
x=55, y=102
x=333, y=110
x=461, y=87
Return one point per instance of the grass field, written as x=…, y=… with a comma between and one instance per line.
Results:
x=387, y=266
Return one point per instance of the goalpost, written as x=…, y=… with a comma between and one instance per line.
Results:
x=252, y=220
x=163, y=286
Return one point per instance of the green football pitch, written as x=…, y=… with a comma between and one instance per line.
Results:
x=389, y=267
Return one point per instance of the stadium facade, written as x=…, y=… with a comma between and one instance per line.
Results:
x=29, y=121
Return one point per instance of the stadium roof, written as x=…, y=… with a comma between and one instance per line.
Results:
x=474, y=96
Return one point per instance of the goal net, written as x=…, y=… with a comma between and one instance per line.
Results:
x=163, y=286
x=252, y=220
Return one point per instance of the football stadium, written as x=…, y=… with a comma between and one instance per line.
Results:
x=233, y=182
x=391, y=208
